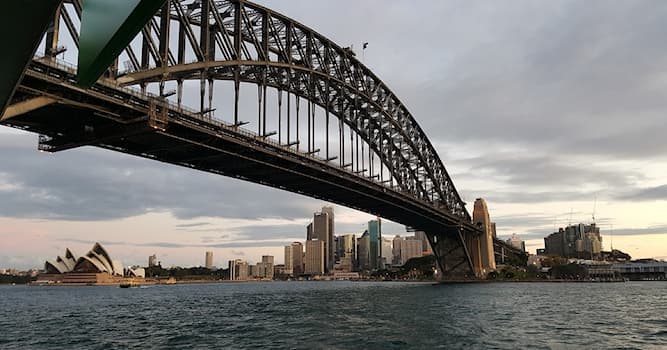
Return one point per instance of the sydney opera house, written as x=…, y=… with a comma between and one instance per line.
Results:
x=95, y=267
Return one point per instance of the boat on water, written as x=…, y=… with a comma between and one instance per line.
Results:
x=129, y=284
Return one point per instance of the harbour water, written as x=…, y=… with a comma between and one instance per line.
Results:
x=338, y=315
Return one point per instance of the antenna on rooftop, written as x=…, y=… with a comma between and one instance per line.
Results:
x=555, y=223
x=570, y=222
x=595, y=203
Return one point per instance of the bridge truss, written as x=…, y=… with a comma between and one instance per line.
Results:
x=324, y=125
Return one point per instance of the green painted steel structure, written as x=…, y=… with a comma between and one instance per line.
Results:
x=22, y=24
x=107, y=27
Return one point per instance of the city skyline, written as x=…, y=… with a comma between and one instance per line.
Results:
x=220, y=261
x=539, y=153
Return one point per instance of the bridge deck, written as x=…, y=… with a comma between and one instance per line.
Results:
x=114, y=118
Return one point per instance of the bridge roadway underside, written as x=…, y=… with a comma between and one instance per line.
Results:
x=118, y=120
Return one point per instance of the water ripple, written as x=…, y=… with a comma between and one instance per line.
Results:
x=340, y=315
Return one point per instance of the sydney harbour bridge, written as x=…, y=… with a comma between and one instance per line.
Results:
x=233, y=88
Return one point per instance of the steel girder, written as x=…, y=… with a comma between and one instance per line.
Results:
x=245, y=42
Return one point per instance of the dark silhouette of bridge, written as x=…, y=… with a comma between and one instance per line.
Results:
x=320, y=123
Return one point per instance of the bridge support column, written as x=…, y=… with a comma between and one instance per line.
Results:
x=452, y=254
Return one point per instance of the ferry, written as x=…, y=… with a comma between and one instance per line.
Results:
x=128, y=284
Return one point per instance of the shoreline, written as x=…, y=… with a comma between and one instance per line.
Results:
x=434, y=282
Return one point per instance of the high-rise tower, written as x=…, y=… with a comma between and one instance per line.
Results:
x=322, y=229
x=330, y=249
x=209, y=260
x=375, y=247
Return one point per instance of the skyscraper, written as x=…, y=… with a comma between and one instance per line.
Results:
x=322, y=229
x=426, y=246
x=396, y=250
x=152, y=260
x=346, y=252
x=516, y=242
x=264, y=269
x=330, y=249
x=385, y=256
x=410, y=248
x=363, y=252
x=575, y=241
x=238, y=270
x=315, y=257
x=309, y=232
x=338, y=249
x=289, y=260
x=375, y=247
x=349, y=246
x=297, y=259
x=294, y=259
x=209, y=260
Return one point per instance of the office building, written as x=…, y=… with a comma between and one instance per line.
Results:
x=238, y=270
x=338, y=249
x=346, y=253
x=264, y=269
x=331, y=233
x=152, y=260
x=396, y=250
x=297, y=258
x=315, y=257
x=364, y=252
x=322, y=229
x=516, y=242
x=575, y=241
x=252, y=271
x=410, y=248
x=209, y=260
x=405, y=249
x=279, y=271
x=375, y=243
x=348, y=247
x=309, y=232
x=289, y=260
x=386, y=253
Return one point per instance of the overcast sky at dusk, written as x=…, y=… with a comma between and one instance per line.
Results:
x=539, y=107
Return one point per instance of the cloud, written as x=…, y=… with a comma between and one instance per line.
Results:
x=544, y=170
x=238, y=253
x=94, y=184
x=530, y=177
x=646, y=194
x=231, y=244
x=195, y=224
x=656, y=229
x=563, y=78
x=212, y=239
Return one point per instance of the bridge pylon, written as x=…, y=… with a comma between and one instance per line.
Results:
x=456, y=253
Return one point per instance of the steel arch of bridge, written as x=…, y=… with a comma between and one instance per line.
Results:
x=245, y=42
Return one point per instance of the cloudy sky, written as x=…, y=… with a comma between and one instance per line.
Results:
x=546, y=109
